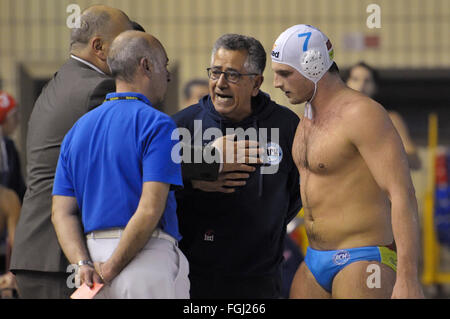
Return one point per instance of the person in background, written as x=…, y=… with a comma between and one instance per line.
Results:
x=194, y=90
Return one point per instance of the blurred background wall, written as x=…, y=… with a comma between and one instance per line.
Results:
x=414, y=34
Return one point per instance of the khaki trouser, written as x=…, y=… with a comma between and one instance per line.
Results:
x=159, y=270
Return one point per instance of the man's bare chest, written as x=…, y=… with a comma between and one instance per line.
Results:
x=322, y=147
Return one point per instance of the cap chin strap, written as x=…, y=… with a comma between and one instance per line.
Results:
x=308, y=107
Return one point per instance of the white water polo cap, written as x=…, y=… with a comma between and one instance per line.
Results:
x=306, y=49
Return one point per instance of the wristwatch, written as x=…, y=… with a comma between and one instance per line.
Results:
x=85, y=262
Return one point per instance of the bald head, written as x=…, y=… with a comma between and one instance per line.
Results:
x=127, y=51
x=99, y=21
x=138, y=62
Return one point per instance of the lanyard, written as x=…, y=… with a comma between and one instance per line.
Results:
x=125, y=98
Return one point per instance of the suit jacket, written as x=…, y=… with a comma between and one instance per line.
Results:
x=74, y=90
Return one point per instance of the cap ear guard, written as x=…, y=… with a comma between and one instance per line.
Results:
x=313, y=64
x=306, y=49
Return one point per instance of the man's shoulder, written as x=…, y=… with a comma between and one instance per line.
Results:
x=187, y=114
x=275, y=108
x=73, y=68
x=356, y=105
x=287, y=112
x=360, y=114
x=283, y=117
x=152, y=116
x=84, y=78
x=74, y=82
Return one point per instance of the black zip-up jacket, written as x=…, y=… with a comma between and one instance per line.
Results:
x=242, y=233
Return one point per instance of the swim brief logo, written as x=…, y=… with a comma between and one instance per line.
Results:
x=274, y=154
x=341, y=257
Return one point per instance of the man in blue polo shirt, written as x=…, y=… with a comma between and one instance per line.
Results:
x=115, y=167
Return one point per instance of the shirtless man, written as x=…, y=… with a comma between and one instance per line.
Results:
x=354, y=180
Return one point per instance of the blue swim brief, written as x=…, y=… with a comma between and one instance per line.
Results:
x=325, y=264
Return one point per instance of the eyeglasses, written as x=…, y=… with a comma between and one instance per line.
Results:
x=230, y=76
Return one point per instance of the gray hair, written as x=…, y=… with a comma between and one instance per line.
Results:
x=125, y=56
x=256, y=60
x=90, y=25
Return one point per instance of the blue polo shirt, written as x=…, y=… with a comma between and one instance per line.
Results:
x=107, y=156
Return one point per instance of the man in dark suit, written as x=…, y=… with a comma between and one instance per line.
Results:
x=79, y=86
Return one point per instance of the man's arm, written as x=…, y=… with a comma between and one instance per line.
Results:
x=199, y=171
x=372, y=132
x=244, y=152
x=138, y=230
x=67, y=224
x=68, y=228
x=234, y=156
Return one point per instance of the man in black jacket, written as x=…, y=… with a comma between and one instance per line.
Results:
x=233, y=228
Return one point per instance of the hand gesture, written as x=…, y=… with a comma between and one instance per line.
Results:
x=230, y=179
x=235, y=154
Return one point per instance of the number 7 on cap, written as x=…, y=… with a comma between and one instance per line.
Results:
x=305, y=44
